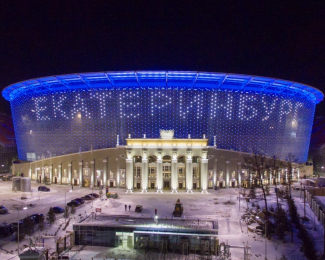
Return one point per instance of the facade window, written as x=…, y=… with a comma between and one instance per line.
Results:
x=233, y=175
x=181, y=159
x=166, y=168
x=195, y=172
x=181, y=171
x=55, y=172
x=138, y=172
x=152, y=171
x=65, y=172
x=210, y=173
x=111, y=175
x=166, y=171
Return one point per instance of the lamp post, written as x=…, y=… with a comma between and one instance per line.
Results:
x=18, y=209
x=65, y=206
x=265, y=229
x=304, y=201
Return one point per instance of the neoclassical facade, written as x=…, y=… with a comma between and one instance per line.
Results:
x=167, y=163
x=152, y=165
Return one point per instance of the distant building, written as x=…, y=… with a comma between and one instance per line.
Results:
x=317, y=146
x=8, y=149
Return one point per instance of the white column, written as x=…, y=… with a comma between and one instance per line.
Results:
x=174, y=176
x=227, y=174
x=159, y=176
x=239, y=170
x=298, y=174
x=30, y=171
x=144, y=175
x=105, y=172
x=189, y=176
x=129, y=175
x=270, y=176
x=43, y=174
x=117, y=172
x=81, y=176
x=215, y=172
x=51, y=173
x=92, y=173
x=204, y=175
x=60, y=173
x=70, y=172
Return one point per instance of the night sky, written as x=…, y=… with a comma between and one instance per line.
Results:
x=43, y=38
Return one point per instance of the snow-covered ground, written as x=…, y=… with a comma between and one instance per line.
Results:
x=212, y=206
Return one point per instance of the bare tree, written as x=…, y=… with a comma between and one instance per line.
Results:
x=258, y=164
x=275, y=165
x=290, y=161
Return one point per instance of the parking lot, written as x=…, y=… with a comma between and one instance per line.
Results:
x=221, y=205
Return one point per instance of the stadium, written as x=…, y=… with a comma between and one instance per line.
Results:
x=100, y=121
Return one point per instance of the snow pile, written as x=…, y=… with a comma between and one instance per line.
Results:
x=110, y=203
x=114, y=203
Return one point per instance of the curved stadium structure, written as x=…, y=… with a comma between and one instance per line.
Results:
x=72, y=113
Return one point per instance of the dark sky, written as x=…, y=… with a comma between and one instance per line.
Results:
x=266, y=38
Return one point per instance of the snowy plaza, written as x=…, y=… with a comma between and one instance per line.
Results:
x=200, y=212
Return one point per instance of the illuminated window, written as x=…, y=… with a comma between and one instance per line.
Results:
x=138, y=172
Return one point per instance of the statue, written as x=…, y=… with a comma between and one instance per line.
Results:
x=166, y=134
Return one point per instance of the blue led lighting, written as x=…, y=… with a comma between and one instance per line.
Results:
x=145, y=79
x=71, y=113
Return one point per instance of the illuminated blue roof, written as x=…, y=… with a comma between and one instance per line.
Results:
x=169, y=79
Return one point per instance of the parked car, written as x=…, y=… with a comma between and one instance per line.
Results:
x=3, y=210
x=29, y=217
x=15, y=224
x=58, y=210
x=6, y=230
x=87, y=197
x=94, y=195
x=73, y=203
x=37, y=217
x=82, y=201
x=138, y=208
x=43, y=188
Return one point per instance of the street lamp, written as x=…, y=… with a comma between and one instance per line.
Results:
x=18, y=209
x=92, y=198
x=65, y=206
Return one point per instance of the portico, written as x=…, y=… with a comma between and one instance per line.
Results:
x=166, y=164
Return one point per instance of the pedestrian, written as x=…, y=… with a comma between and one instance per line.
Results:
x=71, y=187
x=129, y=207
x=125, y=207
